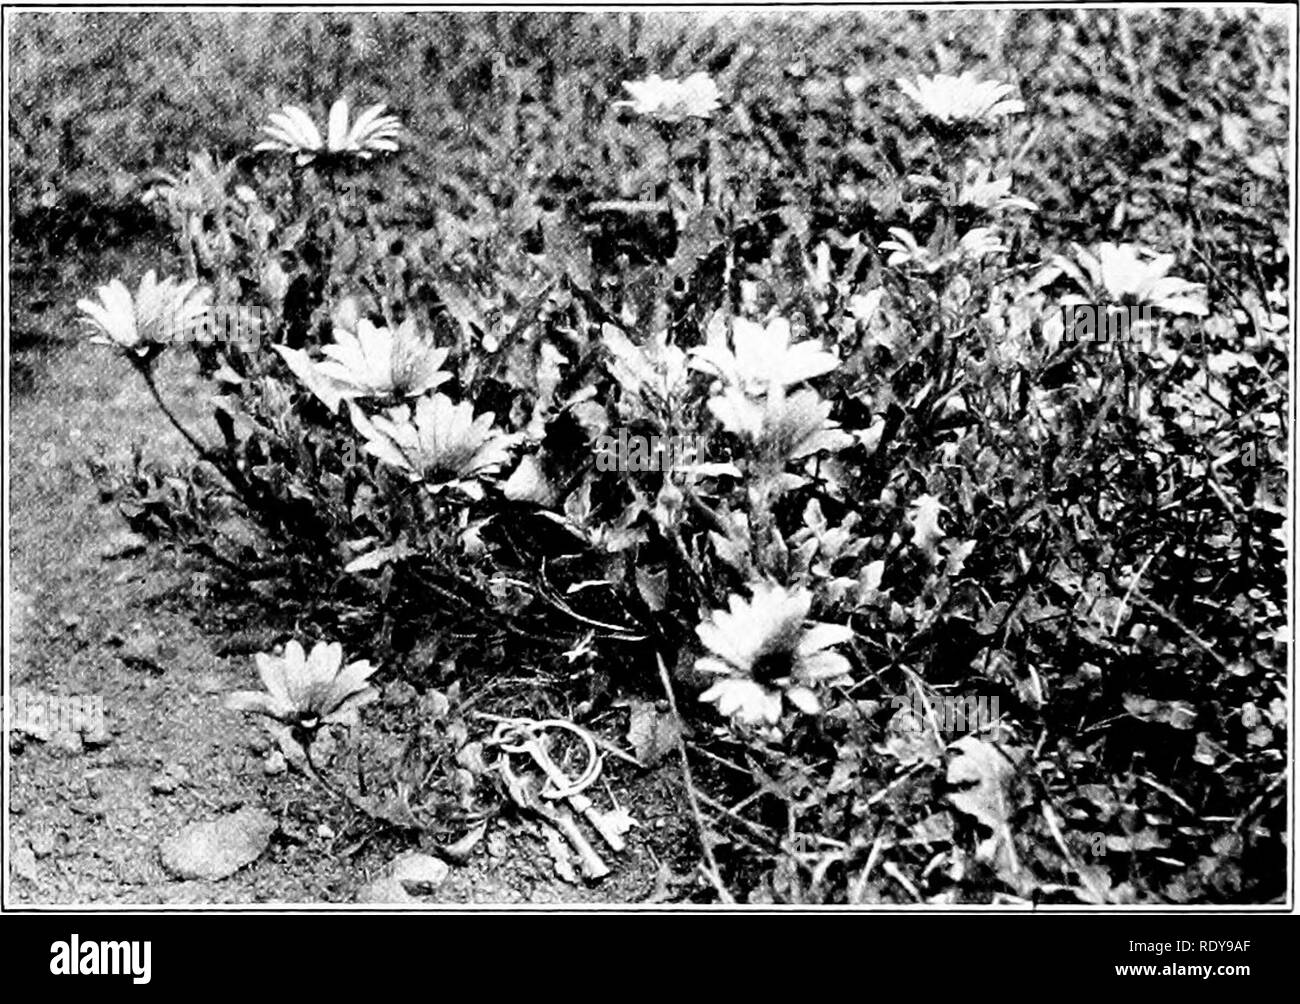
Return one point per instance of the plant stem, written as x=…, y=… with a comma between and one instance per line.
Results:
x=149, y=382
x=711, y=869
x=233, y=477
x=356, y=802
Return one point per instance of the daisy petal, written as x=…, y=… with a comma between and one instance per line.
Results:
x=804, y=699
x=820, y=636
x=823, y=666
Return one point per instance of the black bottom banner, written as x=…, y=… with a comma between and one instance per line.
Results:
x=340, y=952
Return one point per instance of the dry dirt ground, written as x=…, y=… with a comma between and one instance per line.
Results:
x=90, y=612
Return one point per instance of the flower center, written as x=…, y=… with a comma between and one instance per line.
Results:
x=450, y=464
x=772, y=666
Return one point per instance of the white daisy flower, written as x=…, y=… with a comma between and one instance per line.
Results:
x=308, y=691
x=672, y=100
x=763, y=651
x=142, y=324
x=781, y=428
x=982, y=191
x=292, y=131
x=377, y=362
x=441, y=444
x=1133, y=276
x=761, y=357
x=962, y=100
x=975, y=244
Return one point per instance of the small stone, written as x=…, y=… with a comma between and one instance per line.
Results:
x=167, y=780
x=24, y=863
x=419, y=874
x=67, y=743
x=275, y=763
x=94, y=810
x=96, y=738
x=147, y=652
x=20, y=610
x=384, y=890
x=220, y=847
x=43, y=842
x=123, y=544
x=133, y=872
x=260, y=743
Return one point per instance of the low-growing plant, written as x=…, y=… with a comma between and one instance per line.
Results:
x=913, y=489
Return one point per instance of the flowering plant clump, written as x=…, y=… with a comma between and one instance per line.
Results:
x=903, y=489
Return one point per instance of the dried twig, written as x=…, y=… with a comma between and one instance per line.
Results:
x=1192, y=636
x=1123, y=604
x=896, y=873
x=711, y=863
x=763, y=833
x=722, y=760
x=909, y=772
x=1168, y=792
x=1250, y=811
x=857, y=889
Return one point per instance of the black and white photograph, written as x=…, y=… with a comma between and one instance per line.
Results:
x=818, y=459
